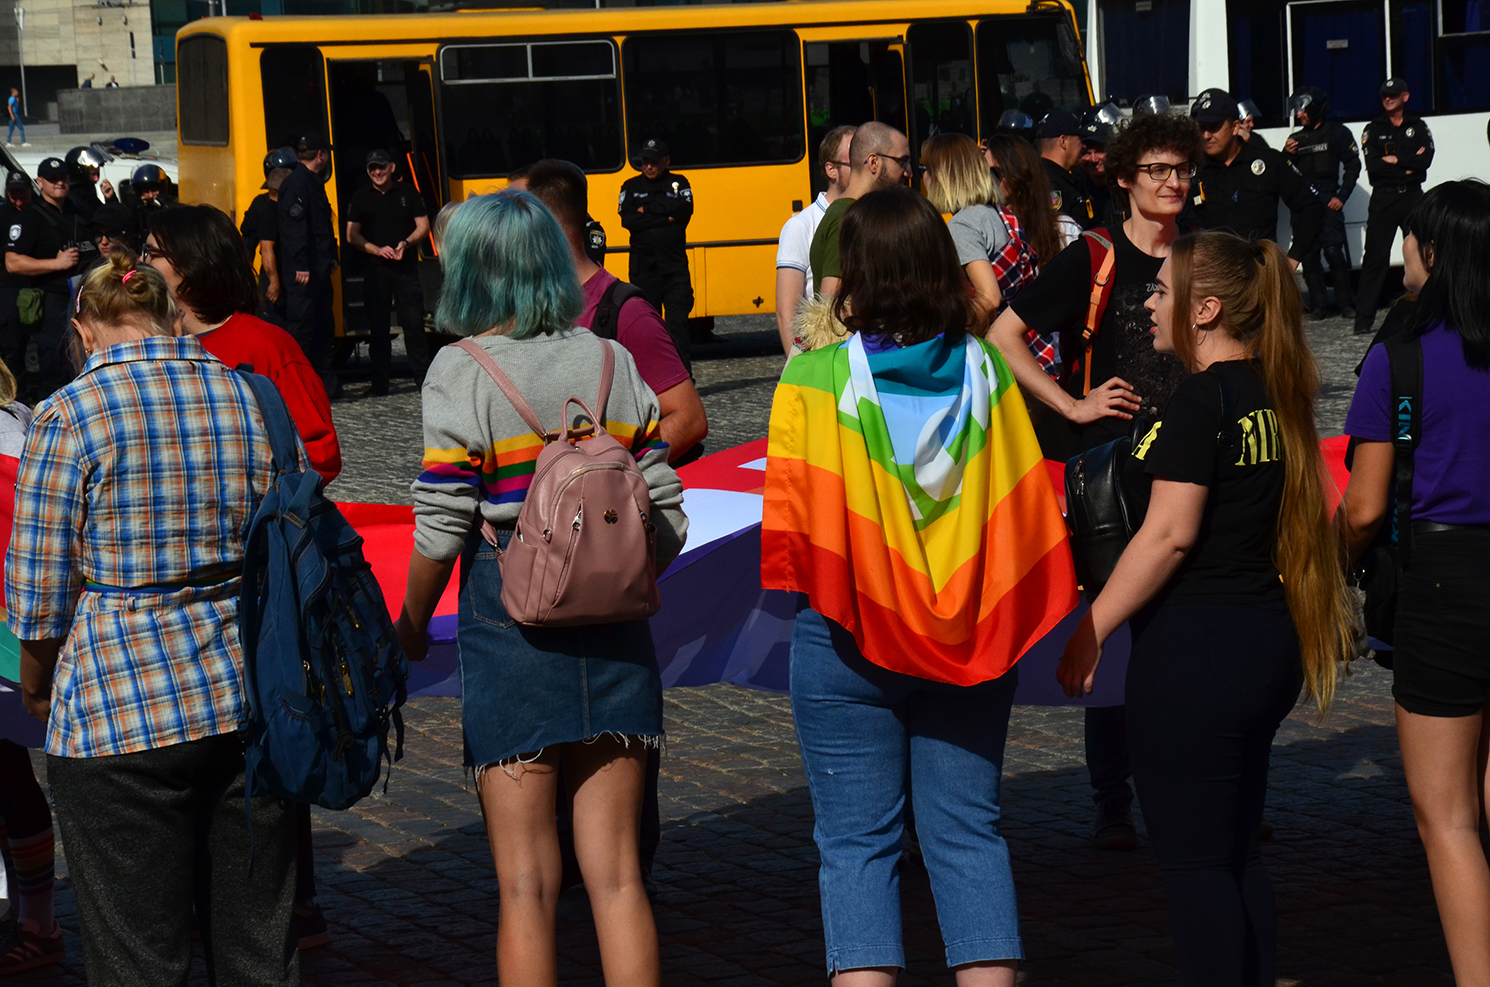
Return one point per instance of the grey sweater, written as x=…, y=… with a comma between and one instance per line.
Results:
x=479, y=455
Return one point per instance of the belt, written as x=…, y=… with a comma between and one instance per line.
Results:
x=1434, y=527
x=199, y=582
x=1400, y=189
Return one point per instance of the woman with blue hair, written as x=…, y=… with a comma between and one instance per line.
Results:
x=588, y=698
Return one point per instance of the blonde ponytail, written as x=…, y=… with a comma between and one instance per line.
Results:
x=117, y=292
x=1262, y=308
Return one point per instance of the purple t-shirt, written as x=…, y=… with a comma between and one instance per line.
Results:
x=1451, y=467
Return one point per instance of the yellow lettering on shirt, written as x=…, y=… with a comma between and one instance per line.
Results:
x=1141, y=450
x=1260, y=440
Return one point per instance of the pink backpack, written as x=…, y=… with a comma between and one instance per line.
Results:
x=585, y=549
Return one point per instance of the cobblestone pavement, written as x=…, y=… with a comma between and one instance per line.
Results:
x=407, y=884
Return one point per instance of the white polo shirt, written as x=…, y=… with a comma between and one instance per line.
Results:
x=796, y=240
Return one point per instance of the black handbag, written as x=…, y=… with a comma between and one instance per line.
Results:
x=1378, y=574
x=1107, y=496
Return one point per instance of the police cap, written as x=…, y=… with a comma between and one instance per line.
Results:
x=1214, y=106
x=312, y=142
x=15, y=182
x=1058, y=123
x=1395, y=86
x=378, y=159
x=653, y=150
x=52, y=169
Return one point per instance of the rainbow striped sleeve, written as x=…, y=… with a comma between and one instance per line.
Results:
x=907, y=497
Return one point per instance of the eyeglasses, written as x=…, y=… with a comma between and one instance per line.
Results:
x=1160, y=171
x=840, y=164
x=905, y=162
x=150, y=251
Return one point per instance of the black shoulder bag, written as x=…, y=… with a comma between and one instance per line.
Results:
x=608, y=311
x=1380, y=569
x=1107, y=496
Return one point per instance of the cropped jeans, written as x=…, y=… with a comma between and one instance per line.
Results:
x=859, y=726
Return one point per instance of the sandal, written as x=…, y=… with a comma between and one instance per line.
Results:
x=30, y=950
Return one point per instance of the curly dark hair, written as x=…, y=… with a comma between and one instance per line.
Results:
x=901, y=277
x=1140, y=136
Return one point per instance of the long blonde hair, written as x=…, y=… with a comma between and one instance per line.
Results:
x=1261, y=308
x=959, y=175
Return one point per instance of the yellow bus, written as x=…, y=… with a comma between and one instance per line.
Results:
x=742, y=93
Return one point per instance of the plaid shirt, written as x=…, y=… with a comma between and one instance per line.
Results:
x=1014, y=266
x=135, y=491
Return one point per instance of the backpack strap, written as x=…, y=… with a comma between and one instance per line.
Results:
x=1103, y=256
x=608, y=311
x=1405, y=359
x=277, y=421
x=496, y=373
x=607, y=374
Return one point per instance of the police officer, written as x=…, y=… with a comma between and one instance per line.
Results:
x=386, y=221
x=114, y=229
x=308, y=256
x=18, y=195
x=1399, y=150
x=82, y=165
x=46, y=245
x=656, y=207
x=260, y=231
x=147, y=194
x=1325, y=153
x=1248, y=116
x=1240, y=184
x=1096, y=131
x=1015, y=123
x=1058, y=139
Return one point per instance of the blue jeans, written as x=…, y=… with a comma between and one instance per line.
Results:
x=858, y=727
x=14, y=124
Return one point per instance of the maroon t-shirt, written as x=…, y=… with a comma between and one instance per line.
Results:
x=638, y=328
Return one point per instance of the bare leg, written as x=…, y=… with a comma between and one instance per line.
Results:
x=874, y=976
x=1443, y=758
x=993, y=974
x=521, y=824
x=608, y=779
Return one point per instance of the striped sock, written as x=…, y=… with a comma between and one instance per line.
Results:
x=35, y=859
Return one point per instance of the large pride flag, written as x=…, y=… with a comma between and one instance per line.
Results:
x=907, y=497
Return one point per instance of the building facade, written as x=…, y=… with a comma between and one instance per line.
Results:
x=61, y=43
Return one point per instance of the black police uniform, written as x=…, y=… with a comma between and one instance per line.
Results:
x=308, y=243
x=657, y=214
x=594, y=240
x=1242, y=197
x=42, y=231
x=84, y=196
x=1072, y=195
x=260, y=223
x=1395, y=189
x=1319, y=156
x=386, y=220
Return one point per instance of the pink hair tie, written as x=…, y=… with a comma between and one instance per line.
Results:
x=127, y=275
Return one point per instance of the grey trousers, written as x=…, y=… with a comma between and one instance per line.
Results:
x=151, y=835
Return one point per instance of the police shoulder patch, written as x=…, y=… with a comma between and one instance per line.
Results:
x=1055, y=199
x=297, y=209
x=15, y=231
x=1259, y=166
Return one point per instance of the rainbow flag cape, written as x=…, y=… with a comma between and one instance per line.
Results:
x=907, y=497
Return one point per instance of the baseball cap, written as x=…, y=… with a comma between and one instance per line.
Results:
x=276, y=178
x=312, y=142
x=114, y=219
x=379, y=158
x=1214, y=106
x=52, y=169
x=654, y=150
x=16, y=181
x=1395, y=86
x=1058, y=123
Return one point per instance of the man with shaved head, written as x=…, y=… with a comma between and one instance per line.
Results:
x=879, y=156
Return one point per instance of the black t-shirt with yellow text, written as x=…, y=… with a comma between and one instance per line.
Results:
x=1240, y=458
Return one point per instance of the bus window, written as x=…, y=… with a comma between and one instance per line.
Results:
x=202, y=67
x=294, y=93
x=849, y=83
x=508, y=105
x=1412, y=49
x=1028, y=63
x=716, y=99
x=1340, y=46
x=941, y=69
x=1254, y=30
x=1464, y=56
x=1160, y=30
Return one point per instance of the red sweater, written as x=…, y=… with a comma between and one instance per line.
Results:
x=275, y=354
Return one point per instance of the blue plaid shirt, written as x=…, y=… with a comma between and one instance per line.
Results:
x=136, y=488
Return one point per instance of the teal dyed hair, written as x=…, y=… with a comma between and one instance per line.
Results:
x=507, y=265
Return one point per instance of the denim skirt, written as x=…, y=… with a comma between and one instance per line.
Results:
x=527, y=688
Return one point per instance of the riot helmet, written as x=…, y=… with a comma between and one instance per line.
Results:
x=148, y=178
x=1015, y=123
x=1107, y=113
x=85, y=156
x=1247, y=110
x=280, y=157
x=1311, y=101
x=1150, y=105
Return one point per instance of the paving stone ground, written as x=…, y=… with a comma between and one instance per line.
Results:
x=407, y=884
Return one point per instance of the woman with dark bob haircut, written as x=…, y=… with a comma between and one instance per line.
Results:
x=900, y=462
x=1441, y=664
x=202, y=258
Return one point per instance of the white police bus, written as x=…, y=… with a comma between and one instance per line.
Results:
x=1263, y=50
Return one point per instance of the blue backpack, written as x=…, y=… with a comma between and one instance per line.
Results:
x=324, y=669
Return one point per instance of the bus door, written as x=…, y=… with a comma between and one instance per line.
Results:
x=382, y=104
x=1339, y=46
x=850, y=82
x=941, y=71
